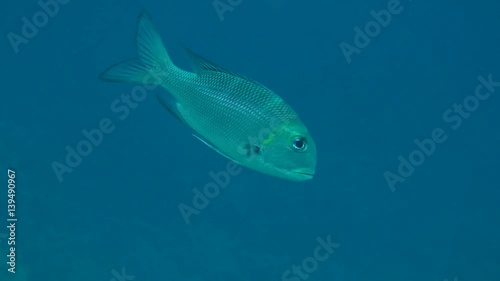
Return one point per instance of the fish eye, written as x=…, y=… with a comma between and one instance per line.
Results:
x=299, y=144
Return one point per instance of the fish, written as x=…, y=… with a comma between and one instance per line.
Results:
x=236, y=116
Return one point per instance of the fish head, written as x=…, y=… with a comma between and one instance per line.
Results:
x=288, y=152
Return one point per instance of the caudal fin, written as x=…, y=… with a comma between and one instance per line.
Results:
x=152, y=61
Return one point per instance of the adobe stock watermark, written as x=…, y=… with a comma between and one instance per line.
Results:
x=454, y=117
x=92, y=138
x=121, y=276
x=223, y=6
x=220, y=180
x=310, y=264
x=31, y=26
x=372, y=29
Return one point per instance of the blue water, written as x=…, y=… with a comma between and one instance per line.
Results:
x=115, y=215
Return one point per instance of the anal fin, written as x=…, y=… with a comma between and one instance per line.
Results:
x=172, y=108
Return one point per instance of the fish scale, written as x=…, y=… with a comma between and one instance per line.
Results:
x=208, y=107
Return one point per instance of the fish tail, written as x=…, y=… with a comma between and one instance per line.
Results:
x=152, y=62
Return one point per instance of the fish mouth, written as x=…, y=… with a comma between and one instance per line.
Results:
x=302, y=175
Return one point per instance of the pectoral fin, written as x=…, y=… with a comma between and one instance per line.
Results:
x=215, y=148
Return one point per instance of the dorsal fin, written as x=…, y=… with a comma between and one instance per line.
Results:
x=202, y=64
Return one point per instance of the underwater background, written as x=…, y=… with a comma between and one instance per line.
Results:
x=400, y=98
